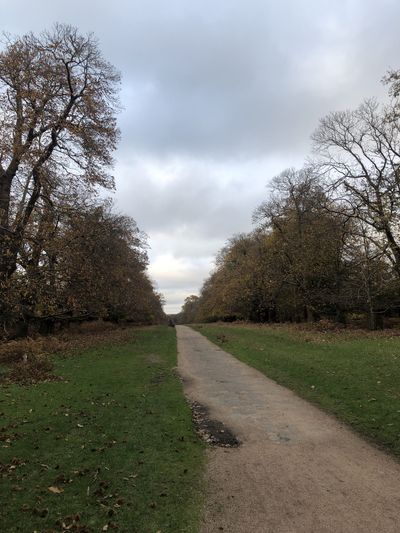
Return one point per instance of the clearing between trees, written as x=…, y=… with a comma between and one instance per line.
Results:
x=100, y=437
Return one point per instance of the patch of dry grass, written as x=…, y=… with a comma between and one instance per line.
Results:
x=28, y=360
x=318, y=332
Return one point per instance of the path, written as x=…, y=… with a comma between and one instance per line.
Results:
x=298, y=470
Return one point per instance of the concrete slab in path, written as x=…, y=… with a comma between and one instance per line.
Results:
x=297, y=470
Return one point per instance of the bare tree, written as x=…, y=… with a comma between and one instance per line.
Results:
x=359, y=151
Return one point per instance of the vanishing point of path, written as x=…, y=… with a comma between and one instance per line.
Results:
x=298, y=469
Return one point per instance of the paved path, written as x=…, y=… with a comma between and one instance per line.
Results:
x=298, y=469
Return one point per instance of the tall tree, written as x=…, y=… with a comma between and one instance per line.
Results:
x=359, y=151
x=189, y=310
x=57, y=124
x=309, y=240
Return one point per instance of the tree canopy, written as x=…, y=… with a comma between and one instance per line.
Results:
x=327, y=241
x=63, y=252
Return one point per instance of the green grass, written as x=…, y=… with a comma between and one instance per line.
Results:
x=357, y=379
x=116, y=437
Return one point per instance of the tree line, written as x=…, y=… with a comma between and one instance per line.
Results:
x=326, y=243
x=65, y=254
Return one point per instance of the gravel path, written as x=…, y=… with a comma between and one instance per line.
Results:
x=297, y=470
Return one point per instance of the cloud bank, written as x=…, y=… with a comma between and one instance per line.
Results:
x=219, y=97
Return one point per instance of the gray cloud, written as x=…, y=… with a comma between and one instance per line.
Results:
x=208, y=196
x=218, y=97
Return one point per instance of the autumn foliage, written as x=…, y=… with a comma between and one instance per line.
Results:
x=327, y=241
x=64, y=254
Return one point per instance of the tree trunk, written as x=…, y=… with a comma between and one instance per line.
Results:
x=395, y=248
x=340, y=317
x=309, y=314
x=21, y=330
x=6, y=237
x=375, y=320
x=47, y=326
x=5, y=193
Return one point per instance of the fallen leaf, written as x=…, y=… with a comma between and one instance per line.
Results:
x=55, y=490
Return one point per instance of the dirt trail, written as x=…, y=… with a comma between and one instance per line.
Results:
x=297, y=470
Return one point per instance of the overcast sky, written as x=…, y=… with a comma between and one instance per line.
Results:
x=219, y=96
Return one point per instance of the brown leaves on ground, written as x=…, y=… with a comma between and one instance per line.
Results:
x=29, y=359
x=17, y=351
x=7, y=438
x=222, y=338
x=8, y=468
x=72, y=523
x=319, y=331
x=33, y=371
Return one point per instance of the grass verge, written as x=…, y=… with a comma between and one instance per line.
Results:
x=110, y=448
x=354, y=377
